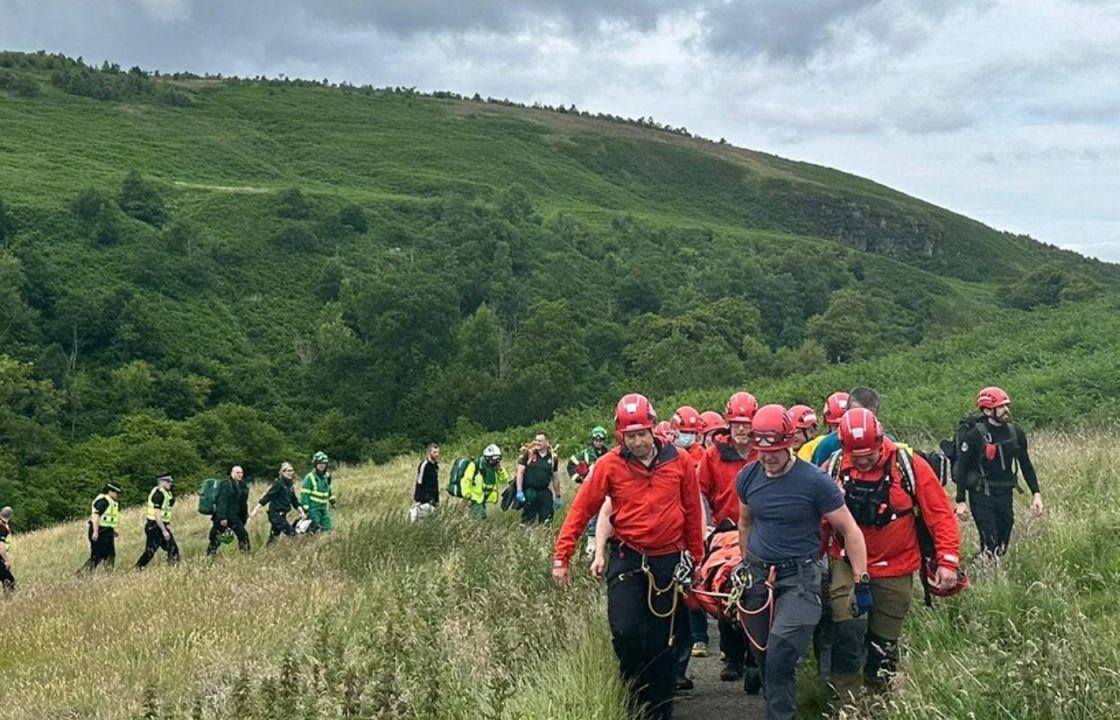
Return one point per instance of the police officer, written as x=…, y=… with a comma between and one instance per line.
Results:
x=782, y=501
x=105, y=515
x=157, y=525
x=658, y=526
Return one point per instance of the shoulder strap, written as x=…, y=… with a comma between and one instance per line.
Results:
x=906, y=473
x=834, y=465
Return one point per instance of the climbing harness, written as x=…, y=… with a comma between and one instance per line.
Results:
x=739, y=587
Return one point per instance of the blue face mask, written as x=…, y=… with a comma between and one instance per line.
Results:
x=685, y=440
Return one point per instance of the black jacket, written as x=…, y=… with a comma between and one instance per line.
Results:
x=280, y=498
x=973, y=470
x=232, y=501
x=426, y=489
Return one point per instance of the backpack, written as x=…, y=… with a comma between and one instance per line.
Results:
x=952, y=449
x=509, y=497
x=455, y=481
x=207, y=494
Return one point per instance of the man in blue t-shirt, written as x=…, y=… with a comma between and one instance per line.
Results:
x=783, y=500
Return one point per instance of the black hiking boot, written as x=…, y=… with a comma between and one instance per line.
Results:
x=731, y=672
x=684, y=684
x=752, y=681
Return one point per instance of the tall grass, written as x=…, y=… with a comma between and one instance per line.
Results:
x=456, y=618
x=452, y=618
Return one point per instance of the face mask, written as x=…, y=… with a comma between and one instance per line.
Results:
x=685, y=440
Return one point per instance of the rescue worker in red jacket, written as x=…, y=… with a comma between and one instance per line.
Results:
x=718, y=470
x=804, y=426
x=688, y=429
x=658, y=530
x=783, y=502
x=872, y=473
x=713, y=423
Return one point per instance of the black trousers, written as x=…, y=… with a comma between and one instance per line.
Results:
x=7, y=579
x=538, y=506
x=154, y=542
x=279, y=525
x=102, y=550
x=643, y=642
x=994, y=516
x=216, y=531
x=733, y=644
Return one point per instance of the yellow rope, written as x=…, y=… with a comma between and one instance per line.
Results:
x=651, y=588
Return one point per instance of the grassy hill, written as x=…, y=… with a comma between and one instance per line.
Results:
x=458, y=619
x=198, y=271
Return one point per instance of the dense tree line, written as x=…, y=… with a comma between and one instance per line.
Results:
x=391, y=325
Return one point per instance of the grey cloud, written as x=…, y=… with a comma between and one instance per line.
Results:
x=1106, y=153
x=788, y=31
x=412, y=17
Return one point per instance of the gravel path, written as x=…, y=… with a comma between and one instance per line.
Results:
x=713, y=699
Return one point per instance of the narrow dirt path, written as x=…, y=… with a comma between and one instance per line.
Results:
x=713, y=699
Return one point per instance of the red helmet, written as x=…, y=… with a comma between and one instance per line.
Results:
x=963, y=583
x=687, y=420
x=804, y=417
x=663, y=431
x=634, y=412
x=712, y=420
x=771, y=429
x=991, y=398
x=860, y=432
x=835, y=407
x=741, y=408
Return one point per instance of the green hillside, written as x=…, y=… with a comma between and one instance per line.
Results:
x=197, y=271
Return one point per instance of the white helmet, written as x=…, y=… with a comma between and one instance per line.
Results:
x=419, y=512
x=492, y=452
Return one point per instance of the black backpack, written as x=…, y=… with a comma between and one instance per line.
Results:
x=951, y=449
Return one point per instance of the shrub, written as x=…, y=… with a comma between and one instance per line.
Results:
x=296, y=237
x=141, y=200
x=354, y=217
x=292, y=204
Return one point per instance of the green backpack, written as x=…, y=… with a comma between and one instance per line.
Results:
x=207, y=494
x=455, y=482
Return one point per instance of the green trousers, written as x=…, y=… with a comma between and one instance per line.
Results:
x=320, y=515
x=865, y=649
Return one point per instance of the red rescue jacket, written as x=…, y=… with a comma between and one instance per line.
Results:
x=656, y=510
x=892, y=550
x=718, y=471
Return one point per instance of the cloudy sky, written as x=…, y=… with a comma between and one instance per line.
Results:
x=1004, y=110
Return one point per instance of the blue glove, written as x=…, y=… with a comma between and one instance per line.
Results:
x=520, y=497
x=864, y=600
x=555, y=503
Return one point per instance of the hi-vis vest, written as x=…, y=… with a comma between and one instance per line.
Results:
x=164, y=511
x=317, y=488
x=112, y=514
x=7, y=539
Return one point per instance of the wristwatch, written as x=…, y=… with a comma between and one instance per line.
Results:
x=865, y=579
